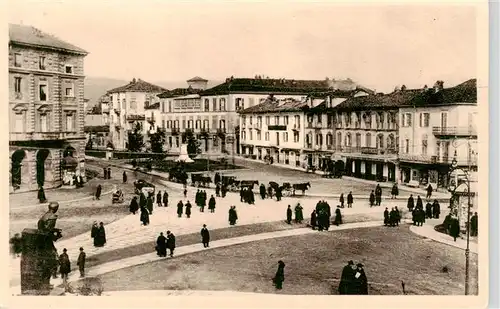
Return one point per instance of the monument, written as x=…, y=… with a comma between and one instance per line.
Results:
x=39, y=257
x=184, y=157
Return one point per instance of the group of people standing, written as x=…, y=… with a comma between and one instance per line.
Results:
x=163, y=243
x=98, y=234
x=200, y=199
x=320, y=217
x=247, y=195
x=106, y=172
x=353, y=280
x=299, y=215
x=376, y=196
x=350, y=200
x=393, y=217
x=419, y=214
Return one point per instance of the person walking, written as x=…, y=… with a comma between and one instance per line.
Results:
x=428, y=210
x=124, y=176
x=411, y=203
x=188, y=209
x=394, y=191
x=289, y=215
x=161, y=245
x=81, y=262
x=185, y=192
x=338, y=217
x=262, y=191
x=299, y=216
x=280, y=275
x=105, y=173
x=205, y=236
x=398, y=215
x=134, y=206
x=233, y=216
x=100, y=238
x=341, y=200
x=109, y=172
x=420, y=204
x=313, y=219
x=436, y=209
x=165, y=199
x=350, y=200
x=378, y=195
x=158, y=198
x=171, y=243
x=429, y=191
x=98, y=192
x=180, y=205
x=278, y=194
x=217, y=190
x=211, y=204
x=386, y=216
x=64, y=268
x=93, y=232
x=454, y=229
x=144, y=216
x=346, y=279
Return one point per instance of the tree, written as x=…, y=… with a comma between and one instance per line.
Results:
x=136, y=139
x=157, y=140
x=193, y=145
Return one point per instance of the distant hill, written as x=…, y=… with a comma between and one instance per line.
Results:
x=95, y=87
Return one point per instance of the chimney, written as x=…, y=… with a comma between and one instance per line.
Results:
x=438, y=86
x=403, y=88
x=425, y=87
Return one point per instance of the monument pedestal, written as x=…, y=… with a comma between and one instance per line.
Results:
x=38, y=261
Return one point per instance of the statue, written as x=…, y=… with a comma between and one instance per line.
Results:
x=183, y=156
x=39, y=258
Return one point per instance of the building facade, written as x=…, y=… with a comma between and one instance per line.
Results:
x=46, y=110
x=436, y=126
x=127, y=106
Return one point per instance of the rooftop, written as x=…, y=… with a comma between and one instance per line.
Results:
x=138, y=86
x=178, y=92
x=197, y=79
x=465, y=92
x=379, y=100
x=272, y=105
x=33, y=37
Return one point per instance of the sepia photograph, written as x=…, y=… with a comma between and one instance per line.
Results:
x=247, y=149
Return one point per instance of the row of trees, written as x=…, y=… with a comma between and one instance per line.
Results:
x=136, y=141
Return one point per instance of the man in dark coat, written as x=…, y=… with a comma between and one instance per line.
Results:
x=429, y=191
x=142, y=200
x=124, y=177
x=280, y=276
x=411, y=203
x=205, y=236
x=454, y=228
x=414, y=216
x=211, y=204
x=134, y=206
x=158, y=198
x=341, y=200
x=149, y=205
x=101, y=236
x=171, y=243
x=386, y=216
x=223, y=191
x=278, y=194
x=350, y=200
x=338, y=217
x=233, y=216
x=81, y=262
x=378, y=194
x=394, y=191
x=346, y=279
x=105, y=173
x=144, y=216
x=93, y=233
x=360, y=282
x=109, y=172
x=161, y=245
x=436, y=209
x=474, y=225
x=65, y=267
x=299, y=216
x=420, y=204
x=165, y=199
x=428, y=211
x=98, y=192
x=270, y=192
x=217, y=178
x=180, y=205
x=289, y=215
x=398, y=215
x=372, y=199
x=41, y=195
x=188, y=209
x=262, y=191
x=203, y=200
x=313, y=220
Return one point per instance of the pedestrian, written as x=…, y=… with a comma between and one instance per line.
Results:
x=211, y=204
x=134, y=206
x=242, y=195
x=378, y=194
x=100, y=238
x=81, y=262
x=421, y=216
x=217, y=190
x=165, y=198
x=144, y=216
x=411, y=203
x=436, y=209
x=346, y=279
x=217, y=178
x=392, y=217
x=93, y=232
x=65, y=267
x=474, y=225
x=454, y=228
x=289, y=215
x=233, y=216
x=41, y=195
x=262, y=191
x=188, y=209
x=158, y=198
x=203, y=200
x=270, y=192
x=420, y=204
x=171, y=243
x=109, y=172
x=223, y=191
x=105, y=173
x=341, y=200
x=278, y=194
x=185, y=192
x=428, y=211
x=299, y=216
x=142, y=200
x=429, y=191
x=372, y=199
x=179, y=209
x=350, y=200
x=313, y=221
x=398, y=215
x=98, y=192
x=124, y=176
x=338, y=217
x=280, y=275
x=161, y=245
x=394, y=191
x=386, y=216
x=360, y=284
x=149, y=204
x=205, y=236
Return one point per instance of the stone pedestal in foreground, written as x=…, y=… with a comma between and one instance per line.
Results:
x=38, y=261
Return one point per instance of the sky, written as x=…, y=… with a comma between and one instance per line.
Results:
x=378, y=46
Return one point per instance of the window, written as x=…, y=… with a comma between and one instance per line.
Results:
x=124, y=103
x=239, y=104
x=17, y=84
x=18, y=60
x=170, y=141
x=163, y=123
x=198, y=124
x=259, y=135
x=69, y=92
x=339, y=140
x=70, y=123
x=277, y=138
x=277, y=120
x=183, y=123
x=297, y=122
x=19, y=122
x=286, y=120
x=205, y=124
x=43, y=122
x=368, y=140
x=169, y=106
x=68, y=69
x=207, y=105
x=407, y=146
x=250, y=134
x=407, y=120
x=266, y=136
x=243, y=135
x=41, y=63
x=42, y=94
x=251, y=120
x=214, y=104
x=133, y=104
x=285, y=137
x=358, y=140
x=424, y=120
x=380, y=141
x=222, y=104
x=267, y=120
x=319, y=118
x=222, y=124
x=296, y=137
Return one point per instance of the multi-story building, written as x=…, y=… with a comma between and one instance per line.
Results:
x=437, y=125
x=46, y=109
x=127, y=106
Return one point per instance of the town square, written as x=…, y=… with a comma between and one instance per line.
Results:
x=245, y=183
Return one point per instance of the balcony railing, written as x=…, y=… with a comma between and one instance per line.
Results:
x=454, y=131
x=33, y=136
x=133, y=117
x=420, y=158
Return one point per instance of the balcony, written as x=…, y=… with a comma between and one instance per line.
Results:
x=454, y=131
x=34, y=136
x=421, y=158
x=132, y=117
x=461, y=160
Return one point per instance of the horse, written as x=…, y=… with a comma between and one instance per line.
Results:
x=248, y=183
x=274, y=185
x=301, y=186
